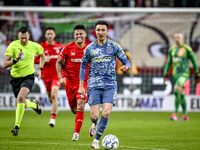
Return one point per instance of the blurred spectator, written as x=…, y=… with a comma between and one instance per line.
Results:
x=138, y=3
x=45, y=2
x=120, y=3
x=166, y=3
x=147, y=3
x=88, y=3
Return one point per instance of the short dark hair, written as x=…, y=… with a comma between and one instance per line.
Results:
x=79, y=26
x=102, y=22
x=50, y=28
x=23, y=30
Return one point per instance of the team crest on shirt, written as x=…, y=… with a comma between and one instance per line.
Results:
x=109, y=50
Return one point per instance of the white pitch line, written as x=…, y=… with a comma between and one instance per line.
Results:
x=130, y=147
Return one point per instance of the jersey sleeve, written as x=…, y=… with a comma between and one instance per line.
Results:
x=63, y=53
x=193, y=59
x=10, y=50
x=168, y=64
x=40, y=49
x=85, y=61
x=121, y=55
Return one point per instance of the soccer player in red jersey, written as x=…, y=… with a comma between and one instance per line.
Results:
x=72, y=54
x=49, y=74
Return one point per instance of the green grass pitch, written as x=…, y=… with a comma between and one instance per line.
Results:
x=135, y=131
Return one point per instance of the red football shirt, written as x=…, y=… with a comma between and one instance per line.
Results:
x=72, y=55
x=49, y=69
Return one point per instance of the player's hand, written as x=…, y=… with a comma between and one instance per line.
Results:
x=62, y=81
x=47, y=58
x=19, y=55
x=165, y=79
x=124, y=68
x=197, y=77
x=81, y=90
x=39, y=74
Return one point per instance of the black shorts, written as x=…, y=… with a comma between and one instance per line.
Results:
x=18, y=83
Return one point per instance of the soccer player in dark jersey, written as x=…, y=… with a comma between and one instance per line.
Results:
x=72, y=54
x=102, y=85
x=178, y=57
x=49, y=74
x=20, y=55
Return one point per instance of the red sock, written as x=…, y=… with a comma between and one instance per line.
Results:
x=79, y=120
x=53, y=115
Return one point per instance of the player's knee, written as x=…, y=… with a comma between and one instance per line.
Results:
x=20, y=99
x=80, y=105
x=93, y=116
x=54, y=96
x=106, y=113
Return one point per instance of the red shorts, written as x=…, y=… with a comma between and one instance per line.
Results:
x=73, y=95
x=50, y=84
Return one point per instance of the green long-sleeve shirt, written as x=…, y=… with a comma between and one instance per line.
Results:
x=178, y=58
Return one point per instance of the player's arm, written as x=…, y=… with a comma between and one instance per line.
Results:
x=196, y=69
x=9, y=62
x=41, y=65
x=123, y=58
x=82, y=72
x=59, y=71
x=167, y=67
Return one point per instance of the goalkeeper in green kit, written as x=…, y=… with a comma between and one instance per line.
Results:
x=178, y=57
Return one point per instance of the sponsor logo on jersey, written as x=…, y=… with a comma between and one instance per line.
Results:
x=54, y=56
x=176, y=59
x=104, y=59
x=76, y=60
x=57, y=48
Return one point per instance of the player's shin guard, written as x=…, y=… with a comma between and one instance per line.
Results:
x=183, y=104
x=101, y=127
x=19, y=113
x=177, y=100
x=79, y=120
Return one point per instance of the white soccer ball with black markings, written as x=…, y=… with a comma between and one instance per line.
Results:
x=110, y=141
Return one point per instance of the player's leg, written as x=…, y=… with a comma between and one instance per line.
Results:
x=79, y=118
x=94, y=117
x=180, y=86
x=81, y=100
x=21, y=87
x=177, y=94
x=108, y=100
x=20, y=109
x=94, y=100
x=54, y=107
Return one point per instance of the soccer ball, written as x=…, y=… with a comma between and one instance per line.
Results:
x=110, y=142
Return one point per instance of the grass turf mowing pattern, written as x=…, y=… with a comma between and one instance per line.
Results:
x=135, y=130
